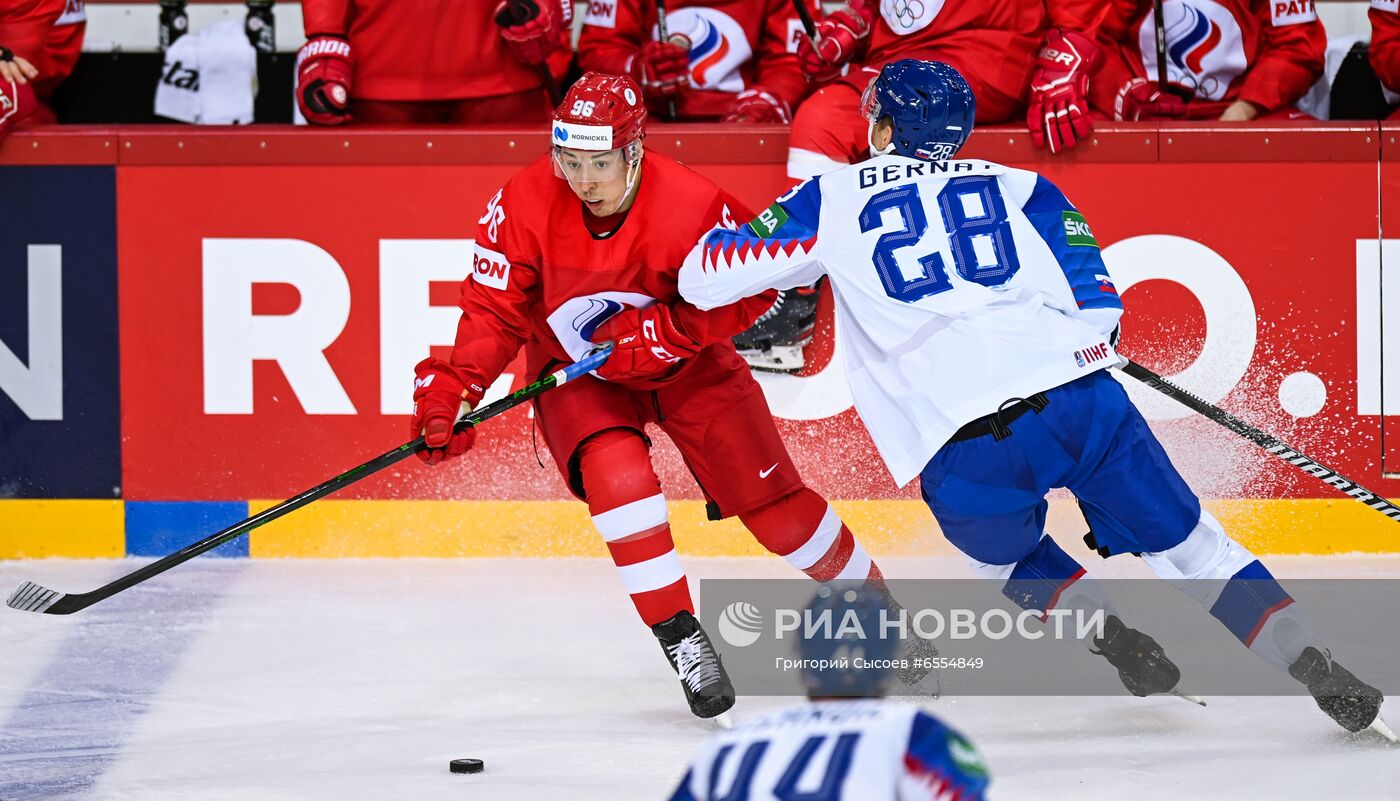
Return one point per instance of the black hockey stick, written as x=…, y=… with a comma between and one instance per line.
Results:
x=1268, y=442
x=665, y=36
x=805, y=14
x=1159, y=24
x=31, y=597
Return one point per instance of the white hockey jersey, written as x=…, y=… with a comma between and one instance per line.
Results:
x=958, y=285
x=861, y=750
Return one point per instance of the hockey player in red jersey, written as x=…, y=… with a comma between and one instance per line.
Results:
x=1231, y=60
x=431, y=61
x=993, y=43
x=581, y=247
x=730, y=60
x=1384, y=52
x=47, y=35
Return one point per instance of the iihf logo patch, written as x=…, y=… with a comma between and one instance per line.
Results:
x=1079, y=358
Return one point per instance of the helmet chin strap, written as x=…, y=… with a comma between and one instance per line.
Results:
x=634, y=171
x=870, y=140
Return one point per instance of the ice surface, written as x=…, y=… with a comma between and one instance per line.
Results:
x=255, y=680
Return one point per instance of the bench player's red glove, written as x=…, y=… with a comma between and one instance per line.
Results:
x=441, y=394
x=661, y=68
x=1141, y=100
x=838, y=37
x=647, y=344
x=1058, y=114
x=756, y=105
x=530, y=28
x=323, y=80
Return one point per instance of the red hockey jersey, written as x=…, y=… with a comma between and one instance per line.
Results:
x=48, y=33
x=735, y=45
x=428, y=49
x=993, y=41
x=1385, y=42
x=541, y=279
x=1268, y=52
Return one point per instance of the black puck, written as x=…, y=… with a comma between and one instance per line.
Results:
x=466, y=766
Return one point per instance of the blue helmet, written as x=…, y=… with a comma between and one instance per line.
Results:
x=930, y=104
x=855, y=630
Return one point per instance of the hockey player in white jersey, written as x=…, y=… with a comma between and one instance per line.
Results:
x=978, y=322
x=847, y=744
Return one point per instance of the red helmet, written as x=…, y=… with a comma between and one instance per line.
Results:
x=600, y=112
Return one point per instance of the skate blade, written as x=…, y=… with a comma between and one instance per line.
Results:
x=1379, y=727
x=1195, y=699
x=725, y=722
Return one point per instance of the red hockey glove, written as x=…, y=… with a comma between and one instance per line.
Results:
x=838, y=37
x=1141, y=100
x=756, y=105
x=531, y=29
x=441, y=394
x=647, y=344
x=323, y=80
x=1058, y=114
x=661, y=68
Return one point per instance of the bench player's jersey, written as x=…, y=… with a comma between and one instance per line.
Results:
x=839, y=751
x=958, y=285
x=1268, y=52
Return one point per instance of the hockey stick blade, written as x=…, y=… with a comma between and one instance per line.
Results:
x=1379, y=727
x=1185, y=696
x=31, y=597
x=1264, y=440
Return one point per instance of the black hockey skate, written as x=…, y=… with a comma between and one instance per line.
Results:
x=1353, y=703
x=918, y=654
x=1142, y=665
x=775, y=341
x=692, y=655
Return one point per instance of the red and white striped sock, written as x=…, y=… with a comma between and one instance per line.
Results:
x=804, y=530
x=639, y=539
x=628, y=509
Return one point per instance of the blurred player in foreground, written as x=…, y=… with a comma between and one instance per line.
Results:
x=846, y=744
x=980, y=323
x=583, y=247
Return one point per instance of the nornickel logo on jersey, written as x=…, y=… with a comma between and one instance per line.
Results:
x=769, y=220
x=1077, y=231
x=490, y=268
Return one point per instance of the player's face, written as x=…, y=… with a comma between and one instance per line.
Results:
x=598, y=178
